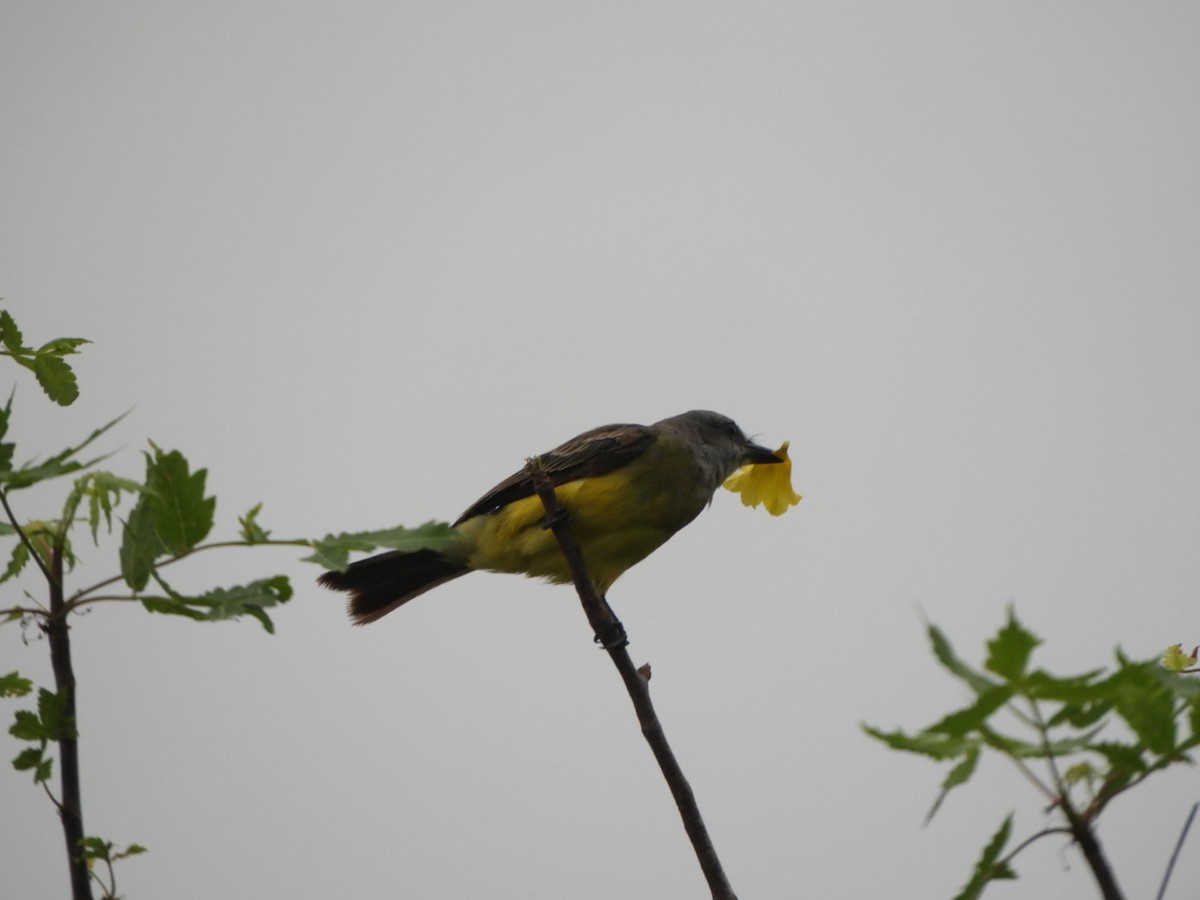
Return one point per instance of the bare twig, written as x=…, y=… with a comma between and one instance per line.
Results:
x=611, y=635
x=1162, y=888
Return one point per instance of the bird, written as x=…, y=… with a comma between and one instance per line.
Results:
x=626, y=489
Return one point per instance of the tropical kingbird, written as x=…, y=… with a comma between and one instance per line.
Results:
x=625, y=488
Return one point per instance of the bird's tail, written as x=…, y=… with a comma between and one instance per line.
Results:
x=379, y=584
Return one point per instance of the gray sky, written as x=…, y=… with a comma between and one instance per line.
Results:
x=360, y=260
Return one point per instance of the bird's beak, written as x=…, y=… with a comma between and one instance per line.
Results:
x=757, y=455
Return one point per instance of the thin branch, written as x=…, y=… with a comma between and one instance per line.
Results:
x=80, y=598
x=1162, y=888
x=37, y=557
x=1029, y=774
x=611, y=635
x=1045, y=832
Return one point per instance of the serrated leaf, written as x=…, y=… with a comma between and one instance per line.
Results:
x=1080, y=715
x=1028, y=750
x=16, y=561
x=29, y=758
x=333, y=550
x=252, y=533
x=183, y=516
x=1147, y=706
x=935, y=746
x=10, y=334
x=969, y=719
x=62, y=346
x=988, y=868
x=6, y=413
x=140, y=545
x=27, y=726
x=56, y=466
x=35, y=758
x=946, y=656
x=225, y=603
x=56, y=378
x=1121, y=757
x=960, y=774
x=1009, y=651
x=1084, y=688
x=103, y=492
x=52, y=710
x=13, y=685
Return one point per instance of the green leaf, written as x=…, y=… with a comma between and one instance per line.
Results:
x=333, y=550
x=1084, y=688
x=10, y=334
x=183, y=516
x=946, y=656
x=960, y=774
x=52, y=371
x=1009, y=650
x=27, y=726
x=52, y=710
x=16, y=561
x=989, y=867
x=1080, y=715
x=35, y=758
x=103, y=491
x=6, y=450
x=1121, y=757
x=94, y=848
x=225, y=603
x=140, y=545
x=57, y=465
x=56, y=378
x=13, y=685
x=969, y=719
x=1031, y=750
x=1147, y=705
x=62, y=346
x=171, y=517
x=252, y=533
x=935, y=746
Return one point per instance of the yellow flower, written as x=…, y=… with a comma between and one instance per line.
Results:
x=767, y=483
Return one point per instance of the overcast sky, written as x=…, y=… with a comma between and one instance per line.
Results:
x=359, y=260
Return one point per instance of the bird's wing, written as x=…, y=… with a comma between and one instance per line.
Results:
x=584, y=456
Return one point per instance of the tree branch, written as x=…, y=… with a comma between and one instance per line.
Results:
x=611, y=635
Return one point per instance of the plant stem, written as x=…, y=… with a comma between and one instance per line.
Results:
x=1081, y=826
x=1090, y=845
x=70, y=809
x=611, y=635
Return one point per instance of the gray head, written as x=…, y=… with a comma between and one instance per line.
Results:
x=719, y=446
